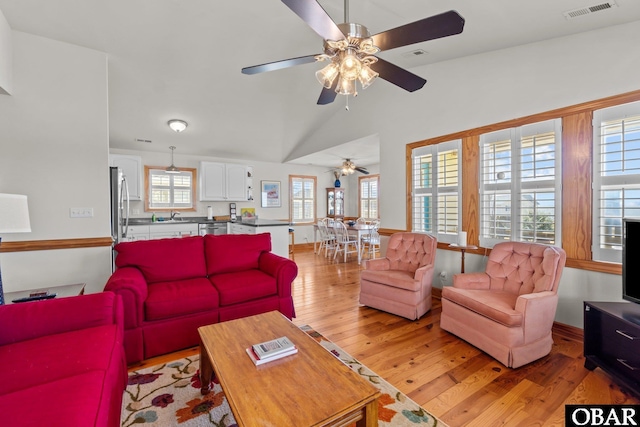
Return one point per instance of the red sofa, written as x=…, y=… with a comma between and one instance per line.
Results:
x=171, y=287
x=63, y=362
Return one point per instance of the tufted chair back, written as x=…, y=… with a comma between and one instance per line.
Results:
x=525, y=268
x=410, y=251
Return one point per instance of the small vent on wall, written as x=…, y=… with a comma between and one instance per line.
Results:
x=148, y=141
x=575, y=13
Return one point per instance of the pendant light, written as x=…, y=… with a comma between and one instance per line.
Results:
x=172, y=168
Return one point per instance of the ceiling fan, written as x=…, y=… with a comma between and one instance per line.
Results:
x=348, y=167
x=350, y=49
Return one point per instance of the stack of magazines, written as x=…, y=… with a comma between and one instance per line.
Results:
x=271, y=350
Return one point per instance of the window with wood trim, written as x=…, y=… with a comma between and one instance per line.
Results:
x=302, y=200
x=616, y=177
x=436, y=188
x=368, y=196
x=166, y=191
x=519, y=192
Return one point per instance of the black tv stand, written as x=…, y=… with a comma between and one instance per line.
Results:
x=612, y=341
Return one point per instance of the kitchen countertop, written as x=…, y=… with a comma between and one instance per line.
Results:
x=260, y=222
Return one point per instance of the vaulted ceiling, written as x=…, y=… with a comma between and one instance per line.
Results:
x=182, y=59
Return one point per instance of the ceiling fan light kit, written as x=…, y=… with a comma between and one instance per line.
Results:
x=350, y=50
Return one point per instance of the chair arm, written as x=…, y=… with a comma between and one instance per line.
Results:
x=472, y=281
x=377, y=264
x=424, y=274
x=538, y=313
x=30, y=320
x=131, y=285
x=283, y=269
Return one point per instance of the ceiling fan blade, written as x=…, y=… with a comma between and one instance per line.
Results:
x=315, y=16
x=398, y=76
x=435, y=27
x=277, y=65
x=327, y=96
x=362, y=170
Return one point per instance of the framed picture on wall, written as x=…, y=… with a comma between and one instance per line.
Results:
x=270, y=194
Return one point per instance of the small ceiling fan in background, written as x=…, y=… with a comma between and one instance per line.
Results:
x=349, y=49
x=348, y=168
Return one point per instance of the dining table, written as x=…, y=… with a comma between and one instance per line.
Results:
x=358, y=229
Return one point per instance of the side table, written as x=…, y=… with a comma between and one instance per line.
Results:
x=61, y=291
x=462, y=250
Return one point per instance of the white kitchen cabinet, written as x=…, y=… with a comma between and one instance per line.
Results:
x=279, y=235
x=167, y=231
x=223, y=182
x=131, y=167
x=137, y=232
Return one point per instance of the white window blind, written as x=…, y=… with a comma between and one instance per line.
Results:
x=436, y=188
x=519, y=192
x=303, y=199
x=616, y=177
x=369, y=197
x=173, y=191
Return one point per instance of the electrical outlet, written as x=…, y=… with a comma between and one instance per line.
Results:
x=443, y=274
x=80, y=212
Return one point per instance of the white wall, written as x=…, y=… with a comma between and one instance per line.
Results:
x=6, y=57
x=54, y=145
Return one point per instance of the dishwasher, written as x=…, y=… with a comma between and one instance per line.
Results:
x=216, y=228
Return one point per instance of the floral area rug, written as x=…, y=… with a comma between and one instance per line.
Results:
x=169, y=395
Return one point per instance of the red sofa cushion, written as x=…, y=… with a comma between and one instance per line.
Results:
x=243, y=286
x=50, y=358
x=73, y=401
x=177, y=298
x=164, y=260
x=234, y=252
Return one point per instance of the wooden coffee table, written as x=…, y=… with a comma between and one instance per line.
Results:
x=309, y=388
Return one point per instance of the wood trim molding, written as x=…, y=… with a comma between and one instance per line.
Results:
x=45, y=245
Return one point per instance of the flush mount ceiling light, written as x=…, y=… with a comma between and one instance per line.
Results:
x=172, y=168
x=177, y=125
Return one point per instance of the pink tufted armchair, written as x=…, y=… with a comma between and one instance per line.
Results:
x=400, y=283
x=508, y=310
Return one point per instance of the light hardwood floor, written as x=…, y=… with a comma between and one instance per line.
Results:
x=450, y=378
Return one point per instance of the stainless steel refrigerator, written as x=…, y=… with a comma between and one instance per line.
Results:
x=119, y=206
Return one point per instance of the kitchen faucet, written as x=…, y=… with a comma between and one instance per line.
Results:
x=173, y=214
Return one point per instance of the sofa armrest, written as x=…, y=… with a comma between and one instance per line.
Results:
x=283, y=269
x=538, y=313
x=472, y=281
x=377, y=264
x=30, y=320
x=129, y=283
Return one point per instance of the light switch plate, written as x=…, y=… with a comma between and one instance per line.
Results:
x=81, y=212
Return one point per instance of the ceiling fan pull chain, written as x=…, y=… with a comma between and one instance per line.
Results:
x=347, y=106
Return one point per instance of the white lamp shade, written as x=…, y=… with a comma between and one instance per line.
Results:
x=14, y=214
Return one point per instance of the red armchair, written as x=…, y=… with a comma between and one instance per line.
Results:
x=508, y=310
x=400, y=283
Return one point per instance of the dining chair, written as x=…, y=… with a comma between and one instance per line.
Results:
x=344, y=240
x=327, y=237
x=371, y=241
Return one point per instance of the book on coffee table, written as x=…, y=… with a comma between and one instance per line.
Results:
x=272, y=347
x=256, y=361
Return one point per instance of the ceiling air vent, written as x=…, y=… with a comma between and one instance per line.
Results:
x=570, y=14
